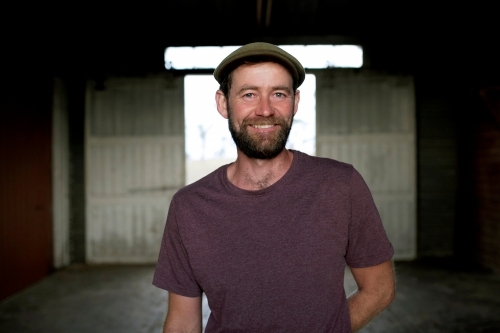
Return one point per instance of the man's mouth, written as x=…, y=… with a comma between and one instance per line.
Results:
x=263, y=126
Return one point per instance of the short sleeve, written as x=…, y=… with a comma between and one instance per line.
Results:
x=173, y=271
x=368, y=244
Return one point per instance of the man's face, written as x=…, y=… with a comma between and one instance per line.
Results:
x=260, y=109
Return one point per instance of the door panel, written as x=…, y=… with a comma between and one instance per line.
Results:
x=368, y=120
x=134, y=164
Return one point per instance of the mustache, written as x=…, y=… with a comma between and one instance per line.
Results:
x=264, y=121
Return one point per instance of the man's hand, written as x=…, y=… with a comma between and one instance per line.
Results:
x=376, y=290
x=184, y=314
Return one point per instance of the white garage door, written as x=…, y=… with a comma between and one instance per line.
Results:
x=134, y=164
x=368, y=119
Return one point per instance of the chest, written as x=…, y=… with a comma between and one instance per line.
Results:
x=263, y=239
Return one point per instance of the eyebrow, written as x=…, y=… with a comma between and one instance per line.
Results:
x=285, y=88
x=245, y=87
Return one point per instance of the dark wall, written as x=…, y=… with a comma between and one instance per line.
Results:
x=459, y=165
x=25, y=182
x=481, y=201
x=437, y=168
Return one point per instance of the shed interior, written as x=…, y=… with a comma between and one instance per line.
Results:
x=448, y=49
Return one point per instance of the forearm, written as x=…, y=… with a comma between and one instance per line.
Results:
x=173, y=326
x=363, y=307
x=183, y=315
x=376, y=290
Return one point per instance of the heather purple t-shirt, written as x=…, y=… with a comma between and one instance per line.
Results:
x=272, y=260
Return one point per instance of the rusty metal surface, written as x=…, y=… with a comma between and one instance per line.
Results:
x=25, y=185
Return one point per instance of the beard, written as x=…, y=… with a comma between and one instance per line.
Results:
x=260, y=145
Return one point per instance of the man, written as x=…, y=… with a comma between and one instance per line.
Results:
x=267, y=237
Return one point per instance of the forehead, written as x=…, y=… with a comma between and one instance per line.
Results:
x=261, y=73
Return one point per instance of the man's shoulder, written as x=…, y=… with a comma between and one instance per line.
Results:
x=206, y=184
x=324, y=164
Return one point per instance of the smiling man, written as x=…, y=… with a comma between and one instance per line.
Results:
x=267, y=237
x=268, y=109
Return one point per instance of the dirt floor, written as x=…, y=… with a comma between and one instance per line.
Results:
x=432, y=296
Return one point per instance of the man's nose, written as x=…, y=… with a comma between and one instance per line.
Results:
x=265, y=108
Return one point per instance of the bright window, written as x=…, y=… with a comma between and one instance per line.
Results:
x=311, y=56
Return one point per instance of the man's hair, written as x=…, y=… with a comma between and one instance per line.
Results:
x=225, y=85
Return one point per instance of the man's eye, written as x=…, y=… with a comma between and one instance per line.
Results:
x=280, y=95
x=249, y=95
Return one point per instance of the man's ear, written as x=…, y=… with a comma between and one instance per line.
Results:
x=221, y=101
x=296, y=102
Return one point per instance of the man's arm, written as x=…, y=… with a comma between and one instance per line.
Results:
x=376, y=290
x=184, y=314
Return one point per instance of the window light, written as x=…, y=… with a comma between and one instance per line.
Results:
x=311, y=56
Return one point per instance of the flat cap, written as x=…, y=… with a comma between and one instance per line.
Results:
x=264, y=51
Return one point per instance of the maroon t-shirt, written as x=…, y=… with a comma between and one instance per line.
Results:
x=272, y=260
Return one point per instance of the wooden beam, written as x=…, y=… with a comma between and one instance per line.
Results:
x=268, y=13
x=259, y=12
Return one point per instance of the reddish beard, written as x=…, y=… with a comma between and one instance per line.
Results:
x=260, y=145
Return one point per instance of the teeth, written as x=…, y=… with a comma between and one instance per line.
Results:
x=262, y=126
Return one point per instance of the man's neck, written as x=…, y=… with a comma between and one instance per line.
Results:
x=255, y=174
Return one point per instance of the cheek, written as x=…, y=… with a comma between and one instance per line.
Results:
x=283, y=104
x=287, y=109
x=240, y=113
x=232, y=122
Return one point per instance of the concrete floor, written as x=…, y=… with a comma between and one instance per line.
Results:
x=432, y=296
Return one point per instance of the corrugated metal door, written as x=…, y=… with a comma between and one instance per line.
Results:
x=368, y=120
x=134, y=164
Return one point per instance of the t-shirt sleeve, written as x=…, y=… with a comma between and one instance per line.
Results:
x=173, y=271
x=368, y=244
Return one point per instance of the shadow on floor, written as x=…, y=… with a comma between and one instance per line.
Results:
x=432, y=296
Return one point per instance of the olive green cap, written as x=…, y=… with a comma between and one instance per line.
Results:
x=260, y=50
